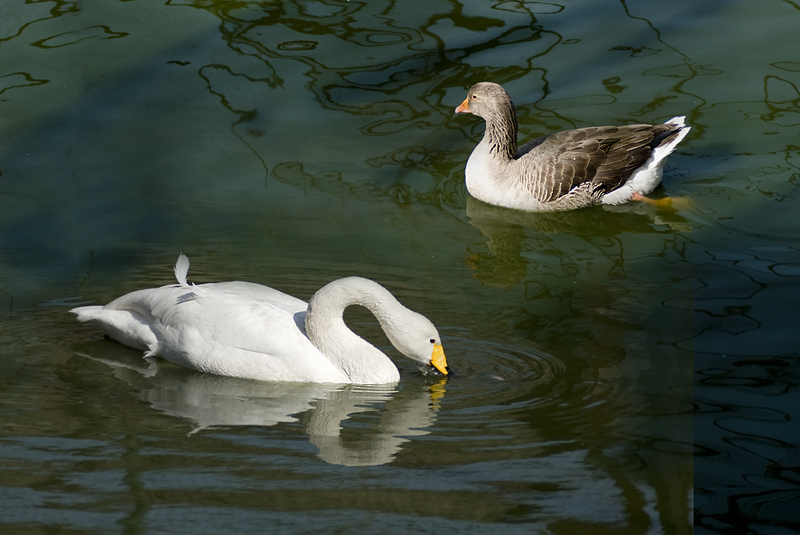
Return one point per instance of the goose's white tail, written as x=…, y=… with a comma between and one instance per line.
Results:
x=648, y=176
x=664, y=150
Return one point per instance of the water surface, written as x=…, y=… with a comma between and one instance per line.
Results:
x=629, y=369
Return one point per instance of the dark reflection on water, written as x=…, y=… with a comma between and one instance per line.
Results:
x=507, y=232
x=747, y=388
x=750, y=463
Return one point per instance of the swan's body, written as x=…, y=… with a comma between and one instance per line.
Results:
x=241, y=329
x=566, y=170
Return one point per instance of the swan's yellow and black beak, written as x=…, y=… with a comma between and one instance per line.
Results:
x=438, y=361
x=464, y=107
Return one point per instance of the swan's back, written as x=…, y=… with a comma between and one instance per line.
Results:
x=237, y=329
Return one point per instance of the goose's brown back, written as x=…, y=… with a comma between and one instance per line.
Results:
x=601, y=157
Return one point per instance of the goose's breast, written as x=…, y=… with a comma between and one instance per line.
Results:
x=485, y=176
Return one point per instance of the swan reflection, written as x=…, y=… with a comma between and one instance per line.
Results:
x=208, y=401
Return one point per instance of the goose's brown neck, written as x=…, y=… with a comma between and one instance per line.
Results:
x=501, y=131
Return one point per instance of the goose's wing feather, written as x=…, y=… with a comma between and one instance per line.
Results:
x=597, y=158
x=237, y=329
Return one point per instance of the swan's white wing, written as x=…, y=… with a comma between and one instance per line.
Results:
x=260, y=292
x=234, y=329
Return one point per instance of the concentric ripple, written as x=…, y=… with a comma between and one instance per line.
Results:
x=493, y=375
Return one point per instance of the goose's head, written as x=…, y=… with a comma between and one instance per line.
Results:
x=486, y=99
x=417, y=338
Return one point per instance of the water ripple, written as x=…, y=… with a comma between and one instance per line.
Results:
x=74, y=37
x=493, y=377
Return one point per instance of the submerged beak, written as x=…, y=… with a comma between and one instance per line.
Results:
x=438, y=361
x=464, y=107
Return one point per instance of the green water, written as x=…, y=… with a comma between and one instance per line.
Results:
x=628, y=369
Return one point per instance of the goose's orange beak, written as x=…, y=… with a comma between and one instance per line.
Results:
x=464, y=107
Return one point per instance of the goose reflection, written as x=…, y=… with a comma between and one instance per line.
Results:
x=209, y=401
x=505, y=266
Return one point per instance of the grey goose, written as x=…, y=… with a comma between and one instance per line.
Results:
x=565, y=170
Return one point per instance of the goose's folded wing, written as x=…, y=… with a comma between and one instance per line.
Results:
x=604, y=157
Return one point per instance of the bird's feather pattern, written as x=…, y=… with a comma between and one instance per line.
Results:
x=564, y=170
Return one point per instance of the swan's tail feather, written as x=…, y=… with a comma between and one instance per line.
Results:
x=87, y=313
x=124, y=326
x=181, y=270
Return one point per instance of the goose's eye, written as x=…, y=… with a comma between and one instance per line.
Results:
x=474, y=97
x=433, y=340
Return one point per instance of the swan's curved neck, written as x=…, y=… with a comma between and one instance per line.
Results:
x=501, y=131
x=325, y=327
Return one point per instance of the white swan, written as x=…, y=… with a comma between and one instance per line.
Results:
x=565, y=170
x=247, y=330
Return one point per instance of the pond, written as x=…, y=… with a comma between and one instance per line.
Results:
x=617, y=369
